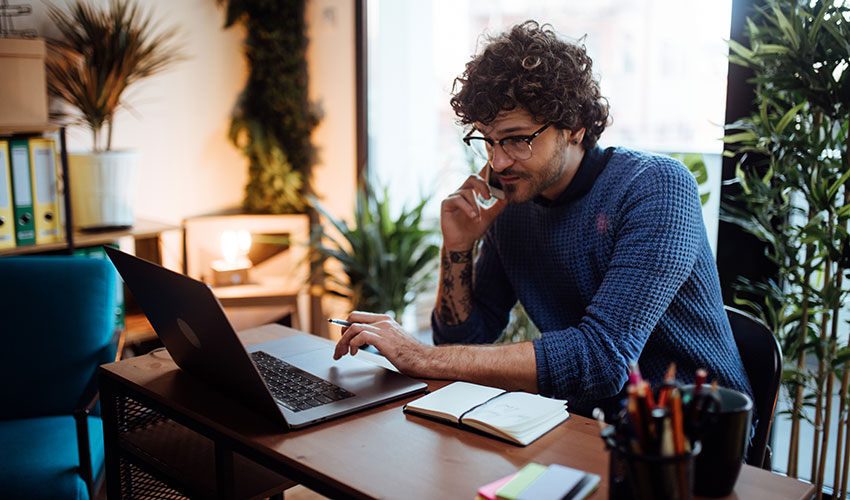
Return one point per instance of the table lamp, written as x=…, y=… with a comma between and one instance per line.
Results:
x=232, y=268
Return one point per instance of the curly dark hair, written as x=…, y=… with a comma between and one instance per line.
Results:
x=530, y=67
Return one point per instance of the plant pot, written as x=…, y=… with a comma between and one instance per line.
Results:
x=102, y=188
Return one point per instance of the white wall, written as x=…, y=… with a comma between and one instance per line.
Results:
x=181, y=117
x=332, y=85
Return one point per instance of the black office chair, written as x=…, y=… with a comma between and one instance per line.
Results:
x=762, y=359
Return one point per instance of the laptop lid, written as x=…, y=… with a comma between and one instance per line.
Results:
x=191, y=323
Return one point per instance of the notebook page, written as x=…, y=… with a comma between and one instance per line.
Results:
x=454, y=399
x=518, y=416
x=517, y=410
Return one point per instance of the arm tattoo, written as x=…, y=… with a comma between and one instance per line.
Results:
x=461, y=257
x=466, y=276
x=455, y=302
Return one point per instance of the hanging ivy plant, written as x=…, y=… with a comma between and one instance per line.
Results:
x=273, y=119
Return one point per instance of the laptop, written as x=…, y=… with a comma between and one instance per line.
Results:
x=294, y=380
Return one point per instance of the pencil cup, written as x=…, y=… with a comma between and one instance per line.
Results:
x=633, y=476
x=725, y=435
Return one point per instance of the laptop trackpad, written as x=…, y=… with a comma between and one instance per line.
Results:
x=350, y=373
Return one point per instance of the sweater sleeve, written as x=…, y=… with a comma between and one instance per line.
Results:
x=492, y=300
x=657, y=229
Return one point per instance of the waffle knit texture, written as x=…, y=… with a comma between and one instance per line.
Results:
x=622, y=273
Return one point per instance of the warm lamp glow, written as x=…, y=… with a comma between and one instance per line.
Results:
x=232, y=269
x=235, y=245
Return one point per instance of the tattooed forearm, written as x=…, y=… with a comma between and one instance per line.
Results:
x=466, y=276
x=454, y=301
x=461, y=257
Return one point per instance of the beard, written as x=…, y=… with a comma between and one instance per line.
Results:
x=532, y=184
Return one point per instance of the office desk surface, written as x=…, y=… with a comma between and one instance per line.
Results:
x=383, y=452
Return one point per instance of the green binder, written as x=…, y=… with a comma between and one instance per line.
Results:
x=19, y=155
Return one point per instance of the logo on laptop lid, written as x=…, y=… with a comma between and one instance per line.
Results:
x=188, y=333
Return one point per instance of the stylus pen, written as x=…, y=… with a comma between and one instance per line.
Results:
x=340, y=322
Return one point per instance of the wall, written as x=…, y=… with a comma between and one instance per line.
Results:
x=179, y=119
x=331, y=64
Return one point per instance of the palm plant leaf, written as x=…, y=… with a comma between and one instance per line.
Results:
x=100, y=55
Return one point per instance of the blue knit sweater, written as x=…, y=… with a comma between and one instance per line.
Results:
x=619, y=273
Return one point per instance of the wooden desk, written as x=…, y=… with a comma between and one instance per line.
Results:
x=378, y=453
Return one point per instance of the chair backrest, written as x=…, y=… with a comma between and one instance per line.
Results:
x=58, y=318
x=762, y=358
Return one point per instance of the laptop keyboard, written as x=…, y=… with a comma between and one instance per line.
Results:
x=294, y=388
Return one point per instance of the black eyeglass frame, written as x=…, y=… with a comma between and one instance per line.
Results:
x=513, y=138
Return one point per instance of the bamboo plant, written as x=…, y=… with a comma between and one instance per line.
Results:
x=793, y=171
x=102, y=53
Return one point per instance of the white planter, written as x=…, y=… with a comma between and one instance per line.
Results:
x=102, y=187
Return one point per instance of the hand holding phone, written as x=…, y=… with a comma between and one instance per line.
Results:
x=467, y=213
x=493, y=183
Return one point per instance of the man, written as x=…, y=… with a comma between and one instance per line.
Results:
x=605, y=249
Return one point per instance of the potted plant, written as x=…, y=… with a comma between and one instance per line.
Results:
x=386, y=260
x=102, y=53
x=794, y=175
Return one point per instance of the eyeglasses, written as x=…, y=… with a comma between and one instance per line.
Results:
x=517, y=147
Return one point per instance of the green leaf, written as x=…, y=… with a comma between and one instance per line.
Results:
x=768, y=176
x=740, y=137
x=764, y=49
x=786, y=119
x=837, y=184
x=790, y=34
x=745, y=53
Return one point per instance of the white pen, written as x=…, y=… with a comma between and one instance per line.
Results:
x=340, y=322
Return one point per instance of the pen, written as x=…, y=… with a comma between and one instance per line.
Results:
x=678, y=425
x=340, y=322
x=668, y=384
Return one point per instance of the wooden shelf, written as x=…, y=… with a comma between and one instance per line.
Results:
x=142, y=229
x=27, y=128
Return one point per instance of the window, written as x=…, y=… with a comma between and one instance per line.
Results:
x=661, y=63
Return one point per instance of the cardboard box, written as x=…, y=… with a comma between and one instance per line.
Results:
x=23, y=83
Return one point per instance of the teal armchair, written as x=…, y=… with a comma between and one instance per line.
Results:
x=57, y=326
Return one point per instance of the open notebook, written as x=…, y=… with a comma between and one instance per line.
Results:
x=518, y=417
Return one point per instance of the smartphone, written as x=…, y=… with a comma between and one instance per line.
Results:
x=493, y=183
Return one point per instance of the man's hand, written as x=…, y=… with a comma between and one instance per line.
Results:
x=463, y=220
x=512, y=367
x=400, y=348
